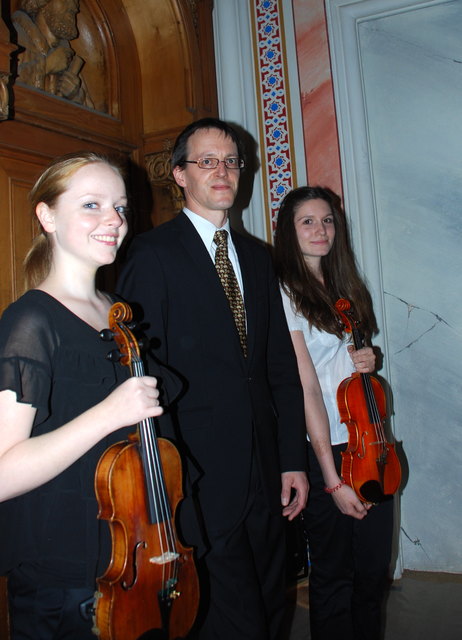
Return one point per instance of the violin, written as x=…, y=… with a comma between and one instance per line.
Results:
x=370, y=465
x=150, y=589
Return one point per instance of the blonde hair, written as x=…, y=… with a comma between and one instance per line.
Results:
x=52, y=183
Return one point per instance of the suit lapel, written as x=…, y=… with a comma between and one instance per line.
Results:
x=206, y=272
x=193, y=245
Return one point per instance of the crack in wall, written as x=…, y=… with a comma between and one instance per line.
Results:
x=422, y=50
x=410, y=309
x=415, y=542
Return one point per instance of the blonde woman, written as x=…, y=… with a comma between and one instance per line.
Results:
x=62, y=403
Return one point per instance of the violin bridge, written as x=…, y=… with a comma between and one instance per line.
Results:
x=168, y=556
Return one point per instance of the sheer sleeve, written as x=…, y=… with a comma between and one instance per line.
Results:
x=27, y=347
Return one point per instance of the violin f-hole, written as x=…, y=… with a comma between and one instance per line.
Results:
x=124, y=584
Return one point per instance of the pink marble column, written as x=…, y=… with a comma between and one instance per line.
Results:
x=318, y=112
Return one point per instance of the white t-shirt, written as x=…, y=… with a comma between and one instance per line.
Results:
x=331, y=361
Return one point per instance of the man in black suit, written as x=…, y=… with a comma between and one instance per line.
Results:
x=241, y=417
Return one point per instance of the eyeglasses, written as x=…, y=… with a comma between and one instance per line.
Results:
x=212, y=163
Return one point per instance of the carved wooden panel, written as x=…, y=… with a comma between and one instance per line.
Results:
x=6, y=49
x=136, y=72
x=92, y=90
x=168, y=197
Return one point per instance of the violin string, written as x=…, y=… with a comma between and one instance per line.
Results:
x=370, y=396
x=137, y=370
x=152, y=479
x=159, y=504
x=372, y=404
x=156, y=483
x=149, y=455
x=162, y=492
x=163, y=498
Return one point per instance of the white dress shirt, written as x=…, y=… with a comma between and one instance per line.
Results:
x=206, y=230
x=331, y=361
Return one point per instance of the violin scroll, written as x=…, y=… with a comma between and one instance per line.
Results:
x=350, y=323
x=120, y=317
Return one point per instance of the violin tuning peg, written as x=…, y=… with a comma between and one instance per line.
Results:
x=143, y=344
x=132, y=325
x=107, y=335
x=114, y=355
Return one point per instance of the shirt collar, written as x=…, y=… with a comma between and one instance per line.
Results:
x=205, y=228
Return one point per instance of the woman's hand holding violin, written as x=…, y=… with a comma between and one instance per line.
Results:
x=349, y=504
x=363, y=359
x=26, y=463
x=133, y=401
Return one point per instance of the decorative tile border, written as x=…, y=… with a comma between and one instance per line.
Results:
x=273, y=101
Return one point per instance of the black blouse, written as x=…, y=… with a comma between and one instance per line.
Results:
x=57, y=363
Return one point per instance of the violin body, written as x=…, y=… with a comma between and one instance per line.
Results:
x=370, y=465
x=150, y=590
x=139, y=591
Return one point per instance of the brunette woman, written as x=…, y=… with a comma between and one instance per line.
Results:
x=62, y=403
x=349, y=541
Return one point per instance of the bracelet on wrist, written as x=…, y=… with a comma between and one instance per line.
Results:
x=336, y=488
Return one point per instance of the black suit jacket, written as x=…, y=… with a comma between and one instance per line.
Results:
x=233, y=409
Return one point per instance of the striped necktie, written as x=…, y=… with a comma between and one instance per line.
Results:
x=230, y=285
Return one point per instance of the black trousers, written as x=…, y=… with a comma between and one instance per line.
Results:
x=349, y=563
x=244, y=587
x=47, y=613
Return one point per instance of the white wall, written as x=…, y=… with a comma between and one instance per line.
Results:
x=397, y=67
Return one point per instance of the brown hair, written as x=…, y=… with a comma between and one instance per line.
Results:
x=52, y=183
x=180, y=148
x=310, y=297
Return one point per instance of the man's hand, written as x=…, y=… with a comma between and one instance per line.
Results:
x=296, y=483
